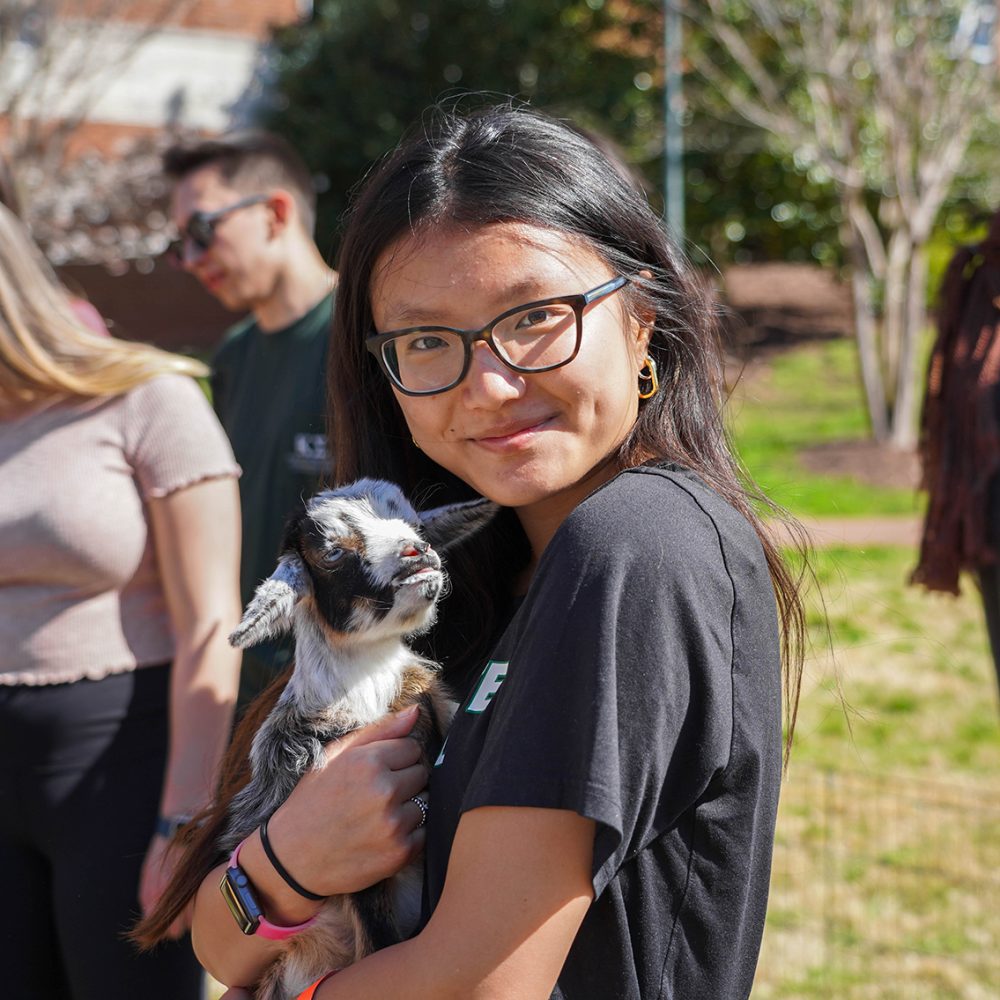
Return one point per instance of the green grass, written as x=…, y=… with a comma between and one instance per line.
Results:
x=804, y=397
x=914, y=668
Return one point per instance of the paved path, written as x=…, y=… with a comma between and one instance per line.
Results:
x=827, y=531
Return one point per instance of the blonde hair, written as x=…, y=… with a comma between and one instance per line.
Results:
x=45, y=350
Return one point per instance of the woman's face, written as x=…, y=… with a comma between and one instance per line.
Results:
x=536, y=442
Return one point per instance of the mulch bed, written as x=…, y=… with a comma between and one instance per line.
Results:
x=866, y=462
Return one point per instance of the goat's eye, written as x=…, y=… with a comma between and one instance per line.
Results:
x=334, y=555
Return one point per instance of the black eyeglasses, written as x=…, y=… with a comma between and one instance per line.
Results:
x=200, y=228
x=534, y=337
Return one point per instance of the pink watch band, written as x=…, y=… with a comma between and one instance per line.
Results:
x=273, y=932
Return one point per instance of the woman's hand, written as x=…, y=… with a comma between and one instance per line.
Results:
x=345, y=827
x=157, y=870
x=350, y=824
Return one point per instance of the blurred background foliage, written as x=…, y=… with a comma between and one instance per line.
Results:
x=353, y=77
x=351, y=80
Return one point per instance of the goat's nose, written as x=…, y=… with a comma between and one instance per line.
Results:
x=411, y=549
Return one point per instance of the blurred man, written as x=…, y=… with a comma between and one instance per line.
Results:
x=244, y=206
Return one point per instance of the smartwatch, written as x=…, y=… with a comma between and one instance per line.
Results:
x=238, y=892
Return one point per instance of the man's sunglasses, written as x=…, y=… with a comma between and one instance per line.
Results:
x=200, y=229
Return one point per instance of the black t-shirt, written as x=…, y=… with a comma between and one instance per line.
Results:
x=638, y=684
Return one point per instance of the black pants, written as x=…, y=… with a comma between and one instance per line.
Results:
x=81, y=766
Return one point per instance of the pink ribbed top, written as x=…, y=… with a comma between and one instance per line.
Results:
x=80, y=593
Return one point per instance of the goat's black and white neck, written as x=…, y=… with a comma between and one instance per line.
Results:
x=357, y=677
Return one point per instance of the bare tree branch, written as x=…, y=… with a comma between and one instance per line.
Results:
x=883, y=96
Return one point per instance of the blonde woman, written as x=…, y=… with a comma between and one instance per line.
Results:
x=119, y=560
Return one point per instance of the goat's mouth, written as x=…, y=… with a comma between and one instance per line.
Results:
x=425, y=574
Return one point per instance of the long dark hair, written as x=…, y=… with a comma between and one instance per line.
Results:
x=510, y=163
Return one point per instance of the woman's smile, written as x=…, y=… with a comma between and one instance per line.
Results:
x=515, y=435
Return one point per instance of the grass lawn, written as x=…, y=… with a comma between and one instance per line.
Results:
x=914, y=669
x=807, y=396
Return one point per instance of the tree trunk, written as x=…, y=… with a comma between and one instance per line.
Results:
x=904, y=415
x=866, y=332
x=895, y=306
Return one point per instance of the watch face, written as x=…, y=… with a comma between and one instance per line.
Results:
x=238, y=894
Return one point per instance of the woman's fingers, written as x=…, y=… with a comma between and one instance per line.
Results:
x=397, y=755
x=393, y=755
x=389, y=727
x=387, y=739
x=418, y=840
x=411, y=781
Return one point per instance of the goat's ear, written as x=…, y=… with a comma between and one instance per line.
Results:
x=269, y=613
x=445, y=526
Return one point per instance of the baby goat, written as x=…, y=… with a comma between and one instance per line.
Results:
x=356, y=577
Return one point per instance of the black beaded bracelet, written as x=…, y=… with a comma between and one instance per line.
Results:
x=280, y=868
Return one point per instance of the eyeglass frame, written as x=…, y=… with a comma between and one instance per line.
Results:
x=177, y=250
x=375, y=342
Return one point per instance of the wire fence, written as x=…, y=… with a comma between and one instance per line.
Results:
x=883, y=887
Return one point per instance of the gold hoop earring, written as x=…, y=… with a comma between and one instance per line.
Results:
x=647, y=374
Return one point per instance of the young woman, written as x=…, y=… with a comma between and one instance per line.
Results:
x=119, y=566
x=512, y=322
